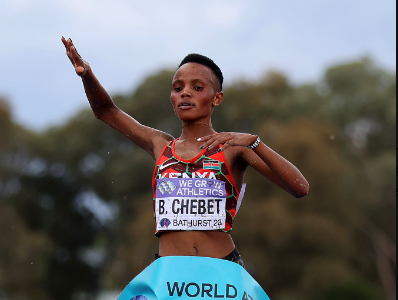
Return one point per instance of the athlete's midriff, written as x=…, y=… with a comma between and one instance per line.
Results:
x=216, y=244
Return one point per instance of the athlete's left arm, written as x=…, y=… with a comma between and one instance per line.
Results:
x=263, y=159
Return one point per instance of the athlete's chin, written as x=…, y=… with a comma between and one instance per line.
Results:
x=187, y=117
x=187, y=120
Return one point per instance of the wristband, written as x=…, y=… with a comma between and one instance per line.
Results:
x=255, y=144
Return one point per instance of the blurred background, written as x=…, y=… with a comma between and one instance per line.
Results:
x=315, y=79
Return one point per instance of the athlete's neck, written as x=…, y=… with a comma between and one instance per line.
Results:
x=191, y=131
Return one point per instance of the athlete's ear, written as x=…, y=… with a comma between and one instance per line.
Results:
x=218, y=98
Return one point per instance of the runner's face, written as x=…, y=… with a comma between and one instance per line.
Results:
x=194, y=93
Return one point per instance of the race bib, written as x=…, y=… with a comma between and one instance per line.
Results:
x=190, y=204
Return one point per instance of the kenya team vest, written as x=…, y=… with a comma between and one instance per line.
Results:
x=196, y=194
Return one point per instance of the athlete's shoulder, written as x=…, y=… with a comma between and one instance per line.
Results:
x=160, y=143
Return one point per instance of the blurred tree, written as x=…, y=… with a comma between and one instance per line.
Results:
x=23, y=251
x=362, y=100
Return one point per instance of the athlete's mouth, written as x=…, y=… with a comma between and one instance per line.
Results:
x=185, y=104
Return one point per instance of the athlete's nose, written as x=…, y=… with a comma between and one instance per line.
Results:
x=185, y=93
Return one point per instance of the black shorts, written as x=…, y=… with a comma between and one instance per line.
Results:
x=234, y=256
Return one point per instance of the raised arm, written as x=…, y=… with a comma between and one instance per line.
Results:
x=263, y=159
x=150, y=139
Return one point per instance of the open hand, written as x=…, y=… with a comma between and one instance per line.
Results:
x=80, y=65
x=227, y=139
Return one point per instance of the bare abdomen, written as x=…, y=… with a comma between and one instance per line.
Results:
x=216, y=244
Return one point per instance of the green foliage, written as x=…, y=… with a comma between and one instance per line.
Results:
x=76, y=204
x=348, y=291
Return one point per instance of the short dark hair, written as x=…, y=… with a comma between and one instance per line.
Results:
x=204, y=60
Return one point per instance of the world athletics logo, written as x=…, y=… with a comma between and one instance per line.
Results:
x=165, y=222
x=166, y=186
x=139, y=297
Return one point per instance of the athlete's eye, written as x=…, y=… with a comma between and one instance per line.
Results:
x=198, y=88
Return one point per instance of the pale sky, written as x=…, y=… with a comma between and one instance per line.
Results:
x=126, y=40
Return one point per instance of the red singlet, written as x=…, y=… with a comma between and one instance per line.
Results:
x=196, y=194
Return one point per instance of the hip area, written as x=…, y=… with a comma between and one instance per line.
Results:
x=214, y=243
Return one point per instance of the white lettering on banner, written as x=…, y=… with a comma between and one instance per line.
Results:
x=200, y=192
x=191, y=187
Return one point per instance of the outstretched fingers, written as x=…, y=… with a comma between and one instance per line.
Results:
x=78, y=63
x=67, y=48
x=64, y=42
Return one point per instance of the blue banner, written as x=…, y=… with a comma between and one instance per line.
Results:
x=192, y=277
